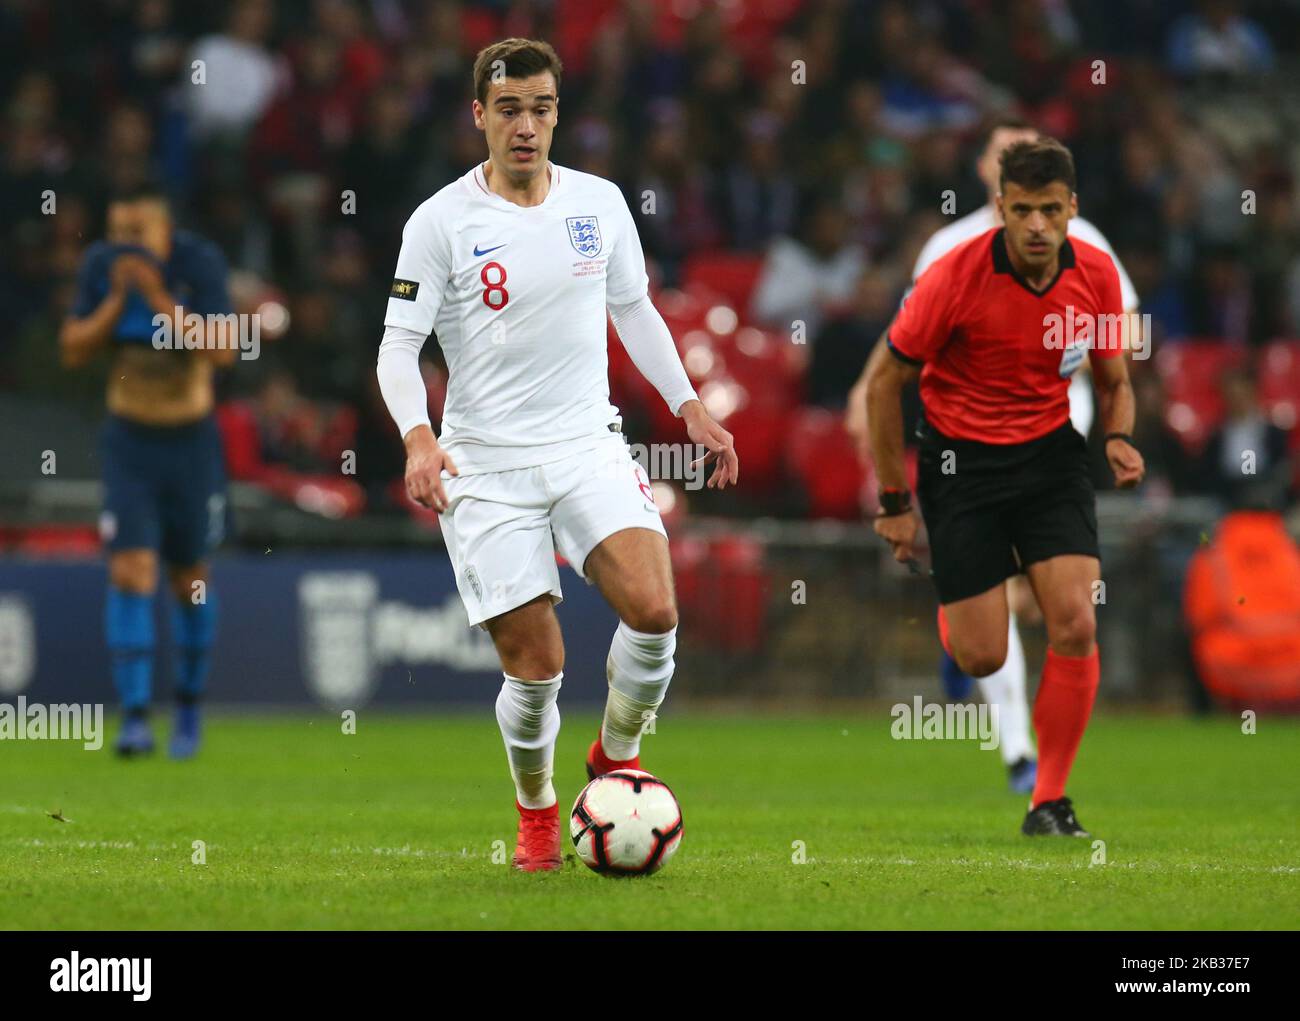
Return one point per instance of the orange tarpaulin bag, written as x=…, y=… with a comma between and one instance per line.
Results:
x=1242, y=604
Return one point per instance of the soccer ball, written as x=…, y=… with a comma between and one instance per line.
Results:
x=626, y=823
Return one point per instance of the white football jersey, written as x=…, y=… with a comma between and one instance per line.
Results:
x=517, y=297
x=945, y=239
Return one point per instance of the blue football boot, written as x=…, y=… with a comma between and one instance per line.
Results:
x=1022, y=775
x=135, y=737
x=185, y=734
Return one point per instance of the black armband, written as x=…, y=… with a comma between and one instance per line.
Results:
x=894, y=502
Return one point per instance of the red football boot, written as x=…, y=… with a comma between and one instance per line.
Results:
x=538, y=847
x=598, y=763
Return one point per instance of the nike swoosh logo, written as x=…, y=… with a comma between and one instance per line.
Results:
x=484, y=251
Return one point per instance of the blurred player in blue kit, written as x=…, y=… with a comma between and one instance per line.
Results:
x=163, y=469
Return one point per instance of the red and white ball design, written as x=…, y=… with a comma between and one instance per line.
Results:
x=626, y=823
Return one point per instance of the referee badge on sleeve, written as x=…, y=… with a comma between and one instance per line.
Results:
x=1071, y=358
x=404, y=289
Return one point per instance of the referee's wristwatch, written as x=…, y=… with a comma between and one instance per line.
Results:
x=894, y=502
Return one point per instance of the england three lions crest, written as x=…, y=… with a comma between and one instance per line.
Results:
x=584, y=234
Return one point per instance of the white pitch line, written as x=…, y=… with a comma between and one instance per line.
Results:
x=1027, y=864
x=407, y=851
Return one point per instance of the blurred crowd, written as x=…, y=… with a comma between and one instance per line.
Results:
x=812, y=141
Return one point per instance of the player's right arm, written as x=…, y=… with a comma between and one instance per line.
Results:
x=425, y=463
x=917, y=334
x=423, y=269
x=646, y=338
x=88, y=329
x=855, y=418
x=855, y=408
x=887, y=374
x=1114, y=391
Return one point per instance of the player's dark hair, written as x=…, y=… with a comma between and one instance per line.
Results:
x=141, y=191
x=1034, y=165
x=519, y=58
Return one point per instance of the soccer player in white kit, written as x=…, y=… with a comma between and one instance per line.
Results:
x=513, y=266
x=1005, y=687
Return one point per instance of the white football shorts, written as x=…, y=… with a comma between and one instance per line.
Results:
x=503, y=529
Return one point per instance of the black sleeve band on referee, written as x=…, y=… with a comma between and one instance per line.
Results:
x=900, y=356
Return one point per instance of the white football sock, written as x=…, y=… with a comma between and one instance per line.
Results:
x=1005, y=688
x=530, y=722
x=639, y=668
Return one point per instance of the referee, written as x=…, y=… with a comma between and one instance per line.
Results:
x=995, y=329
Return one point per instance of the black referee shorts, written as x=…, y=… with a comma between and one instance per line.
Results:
x=993, y=509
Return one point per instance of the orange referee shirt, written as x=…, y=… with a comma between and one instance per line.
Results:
x=997, y=356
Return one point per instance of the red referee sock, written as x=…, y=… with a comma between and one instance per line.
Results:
x=1061, y=713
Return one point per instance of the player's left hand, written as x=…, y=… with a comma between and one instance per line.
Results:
x=899, y=530
x=719, y=443
x=1126, y=462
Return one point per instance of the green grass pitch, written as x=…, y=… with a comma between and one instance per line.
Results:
x=393, y=827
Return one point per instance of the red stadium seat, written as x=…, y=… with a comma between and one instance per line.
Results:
x=684, y=311
x=747, y=370
x=577, y=24
x=51, y=540
x=741, y=580
x=749, y=27
x=479, y=28
x=749, y=381
x=1279, y=382
x=756, y=26
x=1191, y=371
x=690, y=556
x=722, y=586
x=240, y=440
x=759, y=434
x=746, y=381
x=768, y=363
x=820, y=455
x=732, y=275
x=330, y=496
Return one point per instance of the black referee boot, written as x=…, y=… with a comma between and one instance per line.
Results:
x=1053, y=819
